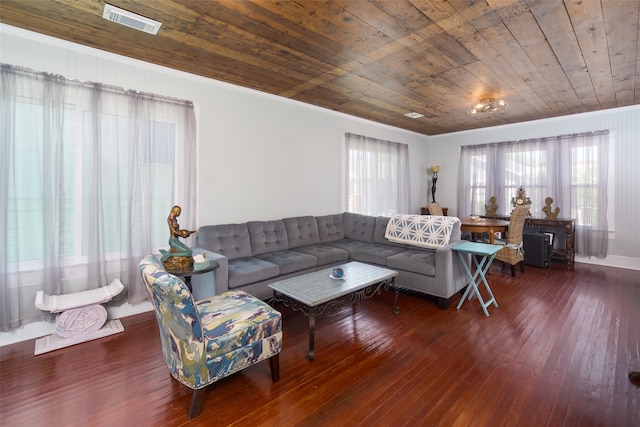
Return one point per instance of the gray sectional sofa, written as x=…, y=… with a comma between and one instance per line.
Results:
x=251, y=255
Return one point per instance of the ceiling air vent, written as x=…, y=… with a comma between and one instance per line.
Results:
x=128, y=19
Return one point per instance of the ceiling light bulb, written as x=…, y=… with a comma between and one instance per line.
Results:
x=488, y=105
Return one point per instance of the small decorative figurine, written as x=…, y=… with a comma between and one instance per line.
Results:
x=491, y=208
x=521, y=199
x=178, y=257
x=547, y=208
x=434, y=169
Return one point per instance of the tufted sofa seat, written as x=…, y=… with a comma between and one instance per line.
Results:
x=251, y=255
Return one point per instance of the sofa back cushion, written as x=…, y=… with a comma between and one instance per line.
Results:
x=302, y=231
x=359, y=227
x=330, y=227
x=230, y=240
x=267, y=236
x=380, y=230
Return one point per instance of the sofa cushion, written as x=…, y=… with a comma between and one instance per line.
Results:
x=325, y=254
x=374, y=253
x=243, y=271
x=414, y=260
x=380, y=230
x=302, y=231
x=230, y=240
x=426, y=231
x=290, y=261
x=330, y=227
x=347, y=244
x=267, y=236
x=359, y=227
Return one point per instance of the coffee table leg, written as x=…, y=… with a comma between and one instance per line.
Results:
x=312, y=333
x=396, y=294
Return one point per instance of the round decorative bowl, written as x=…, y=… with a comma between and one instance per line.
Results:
x=337, y=273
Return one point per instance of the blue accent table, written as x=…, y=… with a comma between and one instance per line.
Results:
x=486, y=253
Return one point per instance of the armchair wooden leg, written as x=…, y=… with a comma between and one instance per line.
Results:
x=196, y=402
x=274, y=363
x=513, y=270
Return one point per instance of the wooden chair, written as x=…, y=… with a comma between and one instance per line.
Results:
x=513, y=252
x=435, y=209
x=207, y=340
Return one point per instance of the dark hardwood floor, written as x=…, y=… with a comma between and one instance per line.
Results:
x=555, y=353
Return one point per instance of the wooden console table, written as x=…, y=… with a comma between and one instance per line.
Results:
x=560, y=227
x=425, y=211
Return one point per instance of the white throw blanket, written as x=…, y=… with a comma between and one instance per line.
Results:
x=426, y=231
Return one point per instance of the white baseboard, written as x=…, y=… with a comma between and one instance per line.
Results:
x=40, y=329
x=616, y=261
x=127, y=309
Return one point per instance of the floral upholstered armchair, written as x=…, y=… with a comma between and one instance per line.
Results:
x=205, y=341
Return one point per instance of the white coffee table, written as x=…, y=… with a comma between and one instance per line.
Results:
x=317, y=293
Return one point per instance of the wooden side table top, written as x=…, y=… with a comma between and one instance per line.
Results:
x=195, y=268
x=484, y=225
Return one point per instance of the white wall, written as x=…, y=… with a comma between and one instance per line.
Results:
x=624, y=249
x=260, y=156
x=268, y=159
x=265, y=157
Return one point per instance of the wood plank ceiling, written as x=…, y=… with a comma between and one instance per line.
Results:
x=381, y=59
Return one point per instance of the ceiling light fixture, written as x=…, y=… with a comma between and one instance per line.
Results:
x=414, y=115
x=131, y=20
x=488, y=105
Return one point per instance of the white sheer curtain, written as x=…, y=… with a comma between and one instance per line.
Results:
x=376, y=176
x=89, y=175
x=571, y=169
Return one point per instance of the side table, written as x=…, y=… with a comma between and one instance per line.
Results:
x=425, y=211
x=487, y=253
x=196, y=268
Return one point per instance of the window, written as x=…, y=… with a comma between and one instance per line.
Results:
x=572, y=169
x=376, y=176
x=90, y=175
x=81, y=160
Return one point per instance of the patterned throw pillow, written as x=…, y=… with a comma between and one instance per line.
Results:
x=426, y=231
